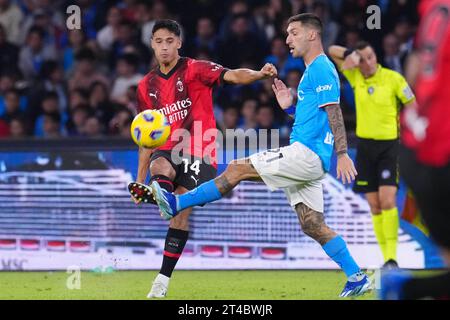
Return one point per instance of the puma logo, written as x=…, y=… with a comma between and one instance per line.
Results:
x=153, y=94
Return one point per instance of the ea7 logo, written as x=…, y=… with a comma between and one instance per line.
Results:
x=326, y=87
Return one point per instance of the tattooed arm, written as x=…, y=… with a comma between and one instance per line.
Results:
x=345, y=168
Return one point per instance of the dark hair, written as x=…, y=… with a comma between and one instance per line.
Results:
x=360, y=45
x=48, y=67
x=50, y=95
x=38, y=30
x=83, y=108
x=264, y=106
x=308, y=19
x=130, y=59
x=85, y=54
x=168, y=24
x=126, y=23
x=53, y=116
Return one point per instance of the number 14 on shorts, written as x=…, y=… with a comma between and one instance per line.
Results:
x=195, y=166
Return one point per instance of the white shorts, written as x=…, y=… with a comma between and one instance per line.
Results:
x=295, y=169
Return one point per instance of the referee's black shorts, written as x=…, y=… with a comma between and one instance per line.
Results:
x=377, y=164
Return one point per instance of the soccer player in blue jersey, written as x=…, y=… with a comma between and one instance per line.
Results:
x=299, y=168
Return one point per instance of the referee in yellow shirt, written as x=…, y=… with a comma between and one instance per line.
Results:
x=379, y=93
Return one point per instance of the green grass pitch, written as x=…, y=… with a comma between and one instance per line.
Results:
x=185, y=285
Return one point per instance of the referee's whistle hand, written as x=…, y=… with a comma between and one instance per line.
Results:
x=346, y=169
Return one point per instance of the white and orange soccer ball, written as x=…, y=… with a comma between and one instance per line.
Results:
x=150, y=129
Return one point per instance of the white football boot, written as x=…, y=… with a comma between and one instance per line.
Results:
x=159, y=287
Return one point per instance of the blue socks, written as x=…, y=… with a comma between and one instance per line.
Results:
x=337, y=250
x=205, y=193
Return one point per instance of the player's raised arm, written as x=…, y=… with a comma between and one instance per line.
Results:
x=247, y=76
x=345, y=167
x=343, y=57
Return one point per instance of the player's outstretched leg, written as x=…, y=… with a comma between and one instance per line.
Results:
x=170, y=204
x=313, y=225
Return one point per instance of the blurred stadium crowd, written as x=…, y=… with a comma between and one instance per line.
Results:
x=56, y=82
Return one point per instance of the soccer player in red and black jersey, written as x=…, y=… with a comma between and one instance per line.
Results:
x=425, y=156
x=181, y=88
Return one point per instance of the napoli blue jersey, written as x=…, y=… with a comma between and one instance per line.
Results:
x=318, y=88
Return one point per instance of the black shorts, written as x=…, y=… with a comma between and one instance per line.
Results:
x=431, y=189
x=190, y=171
x=377, y=165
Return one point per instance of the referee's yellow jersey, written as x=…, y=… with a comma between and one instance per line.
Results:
x=377, y=100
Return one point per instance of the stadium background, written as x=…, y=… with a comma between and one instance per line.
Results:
x=68, y=98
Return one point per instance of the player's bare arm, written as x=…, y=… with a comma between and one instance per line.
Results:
x=345, y=167
x=247, y=76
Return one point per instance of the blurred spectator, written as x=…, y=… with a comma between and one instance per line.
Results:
x=78, y=117
x=404, y=32
x=49, y=105
x=9, y=53
x=35, y=53
x=330, y=28
x=205, y=38
x=92, y=127
x=392, y=57
x=79, y=97
x=127, y=41
x=86, y=73
x=102, y=107
x=52, y=22
x=281, y=58
x=293, y=79
x=241, y=45
x=130, y=99
x=90, y=10
x=351, y=38
x=11, y=18
x=52, y=125
x=144, y=16
x=236, y=8
x=12, y=105
x=7, y=82
x=18, y=127
x=278, y=11
x=51, y=79
x=230, y=118
x=248, y=113
x=77, y=41
x=119, y=121
x=108, y=34
x=125, y=129
x=350, y=20
x=265, y=117
x=127, y=75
